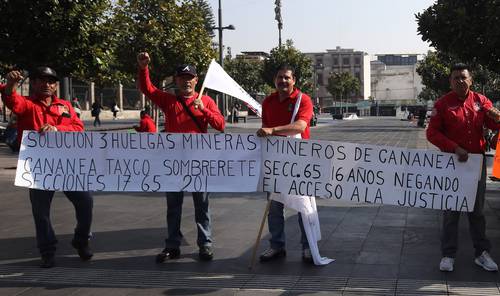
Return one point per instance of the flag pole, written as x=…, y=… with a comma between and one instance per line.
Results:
x=256, y=246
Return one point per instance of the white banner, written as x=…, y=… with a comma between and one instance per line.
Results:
x=114, y=161
x=102, y=161
x=217, y=79
x=370, y=174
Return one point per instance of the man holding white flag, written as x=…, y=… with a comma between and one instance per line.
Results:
x=287, y=112
x=187, y=112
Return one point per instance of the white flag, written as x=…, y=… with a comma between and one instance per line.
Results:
x=217, y=79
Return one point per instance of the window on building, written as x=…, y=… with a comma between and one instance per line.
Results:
x=320, y=79
x=357, y=61
x=335, y=61
x=345, y=61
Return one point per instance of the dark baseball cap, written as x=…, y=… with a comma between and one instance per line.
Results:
x=44, y=72
x=185, y=69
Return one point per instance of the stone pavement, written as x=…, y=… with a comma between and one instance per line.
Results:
x=379, y=250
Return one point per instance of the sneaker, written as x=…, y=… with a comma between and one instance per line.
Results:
x=486, y=262
x=446, y=264
x=307, y=256
x=272, y=254
x=83, y=250
x=48, y=261
x=170, y=253
x=206, y=253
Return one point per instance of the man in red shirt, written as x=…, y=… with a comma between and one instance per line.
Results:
x=184, y=113
x=456, y=126
x=146, y=125
x=277, y=112
x=44, y=112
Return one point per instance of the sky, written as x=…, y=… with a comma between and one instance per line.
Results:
x=372, y=26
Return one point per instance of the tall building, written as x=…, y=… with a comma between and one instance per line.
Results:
x=339, y=60
x=394, y=79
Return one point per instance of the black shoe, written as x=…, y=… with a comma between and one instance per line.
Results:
x=83, y=249
x=272, y=254
x=170, y=253
x=307, y=256
x=206, y=253
x=48, y=261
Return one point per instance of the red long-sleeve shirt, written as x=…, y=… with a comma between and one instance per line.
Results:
x=177, y=120
x=460, y=123
x=33, y=114
x=146, y=125
x=277, y=113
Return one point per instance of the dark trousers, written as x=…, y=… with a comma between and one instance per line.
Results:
x=97, y=121
x=40, y=206
x=201, y=216
x=477, y=224
x=276, y=224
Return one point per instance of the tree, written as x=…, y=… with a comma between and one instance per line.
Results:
x=435, y=70
x=247, y=74
x=288, y=54
x=64, y=34
x=467, y=30
x=208, y=16
x=343, y=85
x=173, y=32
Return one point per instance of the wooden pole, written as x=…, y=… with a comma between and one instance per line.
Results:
x=257, y=241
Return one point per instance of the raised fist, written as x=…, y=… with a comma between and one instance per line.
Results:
x=13, y=77
x=143, y=59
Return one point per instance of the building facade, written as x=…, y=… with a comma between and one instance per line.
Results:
x=394, y=79
x=339, y=60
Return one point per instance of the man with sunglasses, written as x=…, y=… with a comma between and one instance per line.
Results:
x=44, y=112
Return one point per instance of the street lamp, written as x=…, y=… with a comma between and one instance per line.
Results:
x=220, y=28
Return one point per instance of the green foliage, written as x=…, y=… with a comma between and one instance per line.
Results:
x=208, y=16
x=247, y=74
x=343, y=85
x=435, y=70
x=288, y=54
x=467, y=30
x=172, y=32
x=63, y=34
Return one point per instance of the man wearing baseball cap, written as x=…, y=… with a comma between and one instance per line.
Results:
x=44, y=112
x=184, y=113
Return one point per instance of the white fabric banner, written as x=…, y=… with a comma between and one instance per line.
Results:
x=114, y=161
x=217, y=79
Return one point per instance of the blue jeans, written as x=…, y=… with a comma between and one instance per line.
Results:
x=201, y=215
x=276, y=223
x=40, y=206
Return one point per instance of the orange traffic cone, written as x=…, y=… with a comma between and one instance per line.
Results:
x=496, y=161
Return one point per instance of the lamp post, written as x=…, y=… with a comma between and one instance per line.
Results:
x=220, y=28
x=277, y=17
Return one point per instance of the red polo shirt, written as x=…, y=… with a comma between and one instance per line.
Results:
x=146, y=125
x=460, y=123
x=177, y=120
x=276, y=113
x=33, y=114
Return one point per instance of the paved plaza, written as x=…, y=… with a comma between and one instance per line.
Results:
x=379, y=250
